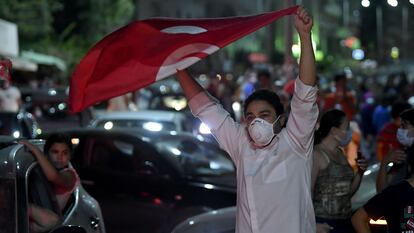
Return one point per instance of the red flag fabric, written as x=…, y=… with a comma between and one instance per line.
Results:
x=149, y=50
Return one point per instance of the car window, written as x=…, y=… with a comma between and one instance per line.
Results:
x=198, y=158
x=110, y=155
x=7, y=206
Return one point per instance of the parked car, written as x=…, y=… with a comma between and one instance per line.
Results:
x=152, y=120
x=150, y=181
x=22, y=182
x=224, y=220
x=17, y=125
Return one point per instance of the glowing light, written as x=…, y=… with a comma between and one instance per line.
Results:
x=412, y=2
x=176, y=151
x=218, y=76
x=358, y=54
x=208, y=186
x=152, y=126
x=295, y=50
x=204, y=129
x=214, y=165
x=108, y=125
x=365, y=3
x=38, y=131
x=52, y=92
x=393, y=3
x=395, y=53
x=16, y=134
x=61, y=106
x=236, y=106
x=378, y=222
x=191, y=222
x=367, y=172
x=75, y=141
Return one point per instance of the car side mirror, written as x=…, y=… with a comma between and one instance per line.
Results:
x=69, y=229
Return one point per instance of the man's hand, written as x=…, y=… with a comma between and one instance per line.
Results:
x=303, y=21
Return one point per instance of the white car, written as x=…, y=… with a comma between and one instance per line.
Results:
x=152, y=120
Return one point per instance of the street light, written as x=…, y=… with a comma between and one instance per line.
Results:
x=393, y=3
x=412, y=2
x=367, y=3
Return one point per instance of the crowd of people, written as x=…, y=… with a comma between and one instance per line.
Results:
x=300, y=150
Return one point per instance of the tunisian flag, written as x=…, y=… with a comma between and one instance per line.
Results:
x=149, y=50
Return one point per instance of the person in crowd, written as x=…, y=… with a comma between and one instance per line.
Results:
x=396, y=202
x=342, y=98
x=382, y=114
x=333, y=179
x=10, y=97
x=273, y=163
x=386, y=137
x=264, y=80
x=56, y=167
x=397, y=156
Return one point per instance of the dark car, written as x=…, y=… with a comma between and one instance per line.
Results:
x=17, y=125
x=22, y=182
x=149, y=182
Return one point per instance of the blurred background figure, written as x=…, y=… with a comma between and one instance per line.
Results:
x=341, y=98
x=397, y=158
x=333, y=179
x=395, y=202
x=10, y=97
x=386, y=137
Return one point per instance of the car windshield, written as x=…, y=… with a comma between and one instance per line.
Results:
x=7, y=208
x=154, y=126
x=197, y=158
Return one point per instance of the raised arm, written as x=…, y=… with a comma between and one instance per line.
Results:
x=65, y=179
x=303, y=24
x=304, y=111
x=226, y=131
x=190, y=87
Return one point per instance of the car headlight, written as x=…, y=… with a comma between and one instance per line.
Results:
x=16, y=134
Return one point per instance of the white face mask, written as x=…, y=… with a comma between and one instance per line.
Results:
x=347, y=138
x=403, y=138
x=261, y=131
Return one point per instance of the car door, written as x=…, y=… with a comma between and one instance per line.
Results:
x=127, y=178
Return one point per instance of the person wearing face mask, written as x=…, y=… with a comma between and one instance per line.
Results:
x=273, y=163
x=333, y=179
x=396, y=202
x=397, y=157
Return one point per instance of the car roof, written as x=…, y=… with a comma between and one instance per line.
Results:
x=141, y=114
x=140, y=134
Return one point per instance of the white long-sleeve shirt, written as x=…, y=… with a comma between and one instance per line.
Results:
x=273, y=183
